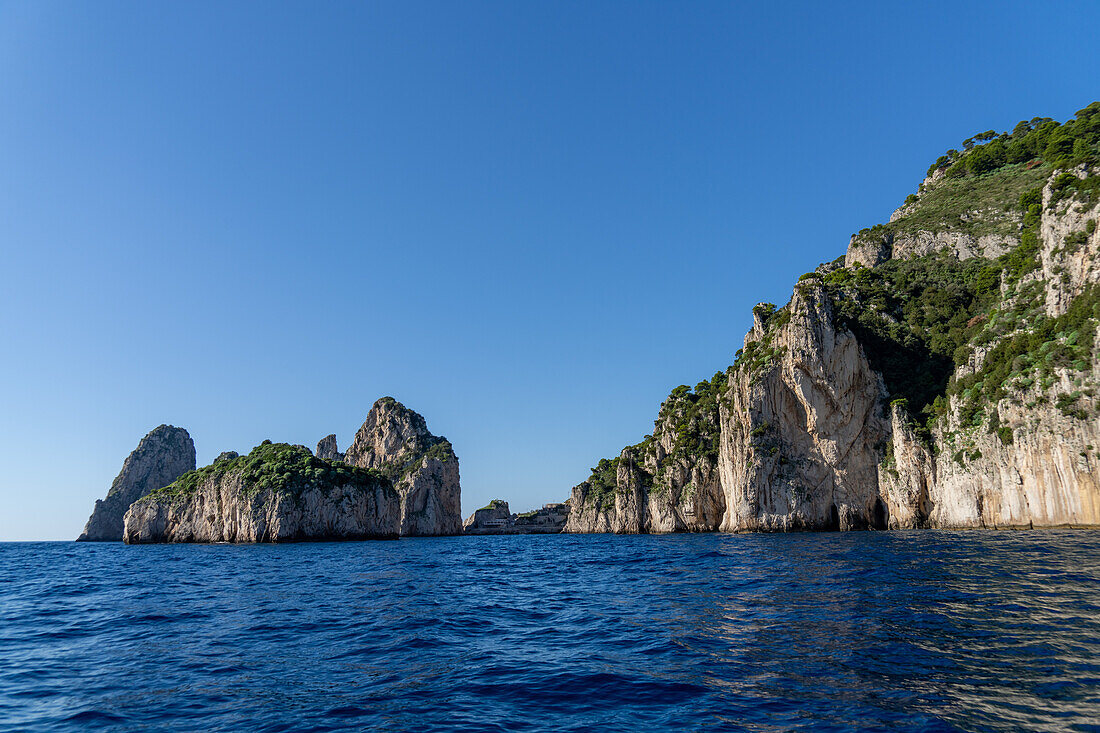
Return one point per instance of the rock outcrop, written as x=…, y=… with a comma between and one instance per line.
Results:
x=161, y=457
x=495, y=518
x=423, y=467
x=944, y=373
x=667, y=483
x=875, y=248
x=789, y=438
x=327, y=449
x=494, y=515
x=277, y=493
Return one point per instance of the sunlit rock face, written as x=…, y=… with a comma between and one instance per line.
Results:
x=422, y=466
x=161, y=457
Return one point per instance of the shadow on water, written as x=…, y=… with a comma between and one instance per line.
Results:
x=842, y=631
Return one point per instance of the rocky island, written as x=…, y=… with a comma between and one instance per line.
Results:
x=942, y=373
x=397, y=479
x=276, y=493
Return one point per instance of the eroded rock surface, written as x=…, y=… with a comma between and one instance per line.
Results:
x=422, y=466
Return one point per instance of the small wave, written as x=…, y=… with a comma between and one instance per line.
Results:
x=94, y=716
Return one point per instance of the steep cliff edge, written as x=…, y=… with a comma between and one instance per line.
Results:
x=423, y=467
x=161, y=457
x=943, y=373
x=277, y=493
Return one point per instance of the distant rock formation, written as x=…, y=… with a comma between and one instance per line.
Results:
x=327, y=450
x=422, y=466
x=277, y=493
x=496, y=519
x=494, y=515
x=161, y=457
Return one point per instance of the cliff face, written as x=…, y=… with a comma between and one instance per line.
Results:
x=668, y=482
x=161, y=457
x=801, y=425
x=944, y=373
x=1028, y=457
x=277, y=493
x=789, y=438
x=423, y=467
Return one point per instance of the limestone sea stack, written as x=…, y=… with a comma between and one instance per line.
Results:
x=276, y=493
x=161, y=457
x=423, y=467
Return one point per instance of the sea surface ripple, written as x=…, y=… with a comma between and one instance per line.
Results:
x=855, y=631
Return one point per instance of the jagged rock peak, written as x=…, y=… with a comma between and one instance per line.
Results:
x=392, y=433
x=422, y=466
x=327, y=449
x=161, y=457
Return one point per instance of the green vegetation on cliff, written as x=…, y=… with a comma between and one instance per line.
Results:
x=691, y=416
x=440, y=450
x=279, y=467
x=975, y=205
x=602, y=483
x=1032, y=353
x=980, y=186
x=911, y=318
x=1060, y=145
x=916, y=318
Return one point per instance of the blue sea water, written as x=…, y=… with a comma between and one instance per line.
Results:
x=855, y=631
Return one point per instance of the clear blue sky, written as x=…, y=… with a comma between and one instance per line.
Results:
x=527, y=221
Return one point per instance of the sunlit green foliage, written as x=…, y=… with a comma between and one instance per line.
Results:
x=278, y=467
x=912, y=316
x=1058, y=145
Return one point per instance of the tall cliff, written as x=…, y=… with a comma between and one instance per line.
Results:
x=161, y=457
x=942, y=373
x=277, y=493
x=423, y=467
